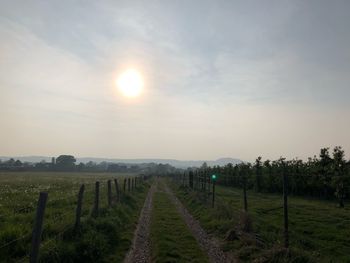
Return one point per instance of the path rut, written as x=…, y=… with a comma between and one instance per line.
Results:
x=209, y=245
x=140, y=251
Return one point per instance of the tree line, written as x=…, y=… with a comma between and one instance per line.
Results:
x=325, y=176
x=68, y=163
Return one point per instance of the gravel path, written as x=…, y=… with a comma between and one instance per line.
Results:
x=210, y=246
x=140, y=251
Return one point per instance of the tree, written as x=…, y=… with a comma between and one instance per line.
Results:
x=339, y=168
x=18, y=163
x=10, y=162
x=65, y=162
x=325, y=171
x=258, y=170
x=204, y=166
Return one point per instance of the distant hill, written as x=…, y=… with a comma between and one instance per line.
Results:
x=173, y=162
x=29, y=159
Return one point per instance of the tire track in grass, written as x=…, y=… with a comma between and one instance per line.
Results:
x=140, y=249
x=212, y=248
x=171, y=239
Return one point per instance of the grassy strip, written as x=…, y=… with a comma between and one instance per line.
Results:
x=104, y=239
x=318, y=229
x=170, y=237
x=97, y=240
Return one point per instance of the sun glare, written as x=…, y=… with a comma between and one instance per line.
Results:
x=130, y=83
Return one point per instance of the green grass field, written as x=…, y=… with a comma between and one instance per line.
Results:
x=170, y=237
x=99, y=240
x=319, y=230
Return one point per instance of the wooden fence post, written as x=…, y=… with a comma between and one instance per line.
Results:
x=129, y=184
x=109, y=192
x=285, y=208
x=116, y=188
x=213, y=201
x=190, y=178
x=209, y=181
x=79, y=206
x=38, y=226
x=97, y=199
x=245, y=192
x=135, y=182
x=198, y=181
x=124, y=186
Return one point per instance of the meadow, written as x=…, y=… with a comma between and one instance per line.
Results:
x=98, y=239
x=318, y=230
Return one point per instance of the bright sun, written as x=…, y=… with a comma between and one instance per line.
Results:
x=130, y=83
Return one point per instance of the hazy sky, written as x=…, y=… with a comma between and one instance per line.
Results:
x=222, y=78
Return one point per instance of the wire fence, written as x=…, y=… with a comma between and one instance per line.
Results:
x=277, y=218
x=57, y=221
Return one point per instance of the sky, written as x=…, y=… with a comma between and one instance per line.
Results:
x=237, y=79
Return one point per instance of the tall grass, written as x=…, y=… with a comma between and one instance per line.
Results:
x=319, y=231
x=107, y=236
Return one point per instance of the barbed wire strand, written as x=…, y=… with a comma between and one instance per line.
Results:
x=15, y=240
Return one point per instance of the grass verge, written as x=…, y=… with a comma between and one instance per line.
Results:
x=319, y=230
x=171, y=239
x=103, y=239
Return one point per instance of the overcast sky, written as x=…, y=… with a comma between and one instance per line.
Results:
x=222, y=78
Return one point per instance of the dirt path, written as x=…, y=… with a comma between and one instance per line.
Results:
x=140, y=251
x=210, y=246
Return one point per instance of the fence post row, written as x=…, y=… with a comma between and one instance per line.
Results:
x=38, y=225
x=97, y=195
x=200, y=179
x=43, y=196
x=79, y=207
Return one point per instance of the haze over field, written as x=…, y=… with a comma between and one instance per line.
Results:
x=175, y=163
x=209, y=79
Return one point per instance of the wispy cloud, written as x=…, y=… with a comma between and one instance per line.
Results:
x=222, y=78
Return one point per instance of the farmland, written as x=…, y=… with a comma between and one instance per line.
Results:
x=108, y=236
x=319, y=230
